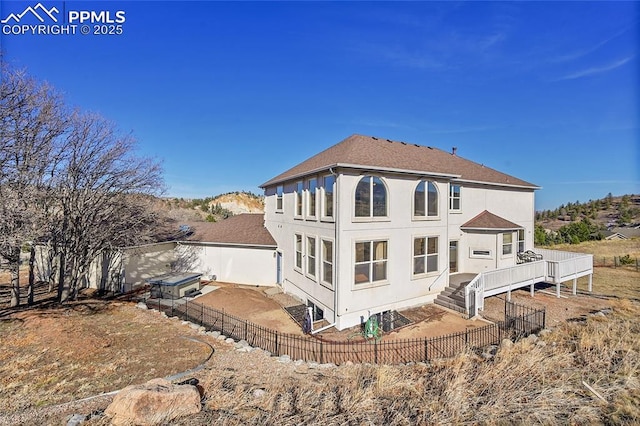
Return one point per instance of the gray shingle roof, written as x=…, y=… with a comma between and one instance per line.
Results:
x=244, y=229
x=386, y=155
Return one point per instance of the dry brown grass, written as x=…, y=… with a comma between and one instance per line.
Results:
x=604, y=248
x=530, y=383
x=621, y=282
x=60, y=354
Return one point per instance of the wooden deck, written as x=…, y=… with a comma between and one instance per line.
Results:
x=555, y=267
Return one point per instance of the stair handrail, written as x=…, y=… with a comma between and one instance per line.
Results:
x=442, y=274
x=477, y=284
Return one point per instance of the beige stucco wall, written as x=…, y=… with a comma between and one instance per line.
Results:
x=233, y=264
x=401, y=289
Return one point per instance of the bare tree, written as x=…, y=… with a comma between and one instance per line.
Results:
x=101, y=196
x=67, y=179
x=31, y=123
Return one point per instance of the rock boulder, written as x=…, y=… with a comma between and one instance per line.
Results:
x=156, y=402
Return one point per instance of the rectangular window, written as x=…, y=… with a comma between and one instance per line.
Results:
x=425, y=255
x=371, y=262
x=279, y=191
x=454, y=197
x=299, y=196
x=453, y=256
x=520, y=240
x=311, y=256
x=312, y=185
x=327, y=261
x=298, y=243
x=327, y=188
x=481, y=253
x=507, y=243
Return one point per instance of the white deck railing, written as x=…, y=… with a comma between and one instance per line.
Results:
x=555, y=268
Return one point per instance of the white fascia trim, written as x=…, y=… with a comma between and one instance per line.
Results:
x=359, y=167
x=210, y=243
x=497, y=184
x=491, y=229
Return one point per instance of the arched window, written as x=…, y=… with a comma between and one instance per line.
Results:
x=425, y=200
x=371, y=197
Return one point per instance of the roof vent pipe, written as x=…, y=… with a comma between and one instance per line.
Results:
x=453, y=150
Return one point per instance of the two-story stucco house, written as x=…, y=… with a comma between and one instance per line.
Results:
x=371, y=225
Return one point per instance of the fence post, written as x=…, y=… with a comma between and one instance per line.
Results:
x=321, y=355
x=246, y=325
x=201, y=314
x=277, y=349
x=466, y=337
x=186, y=309
x=222, y=328
x=375, y=351
x=426, y=350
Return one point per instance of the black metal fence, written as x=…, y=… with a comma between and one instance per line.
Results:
x=523, y=319
x=519, y=322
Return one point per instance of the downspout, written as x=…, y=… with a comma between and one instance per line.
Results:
x=336, y=211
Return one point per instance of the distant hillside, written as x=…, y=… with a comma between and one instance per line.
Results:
x=213, y=209
x=238, y=202
x=608, y=212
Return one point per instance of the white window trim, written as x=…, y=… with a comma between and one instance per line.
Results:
x=295, y=253
x=323, y=200
x=307, y=191
x=333, y=262
x=307, y=257
x=426, y=205
x=474, y=255
x=426, y=255
x=449, y=199
x=504, y=255
x=371, y=217
x=298, y=195
x=373, y=284
x=280, y=198
x=523, y=240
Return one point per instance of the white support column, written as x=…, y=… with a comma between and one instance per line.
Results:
x=590, y=283
x=509, y=295
x=558, y=289
x=575, y=286
x=532, y=289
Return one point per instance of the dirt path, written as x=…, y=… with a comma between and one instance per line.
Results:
x=250, y=303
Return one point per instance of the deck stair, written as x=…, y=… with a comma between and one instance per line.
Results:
x=452, y=297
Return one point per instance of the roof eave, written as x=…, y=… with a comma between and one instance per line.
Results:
x=220, y=243
x=470, y=228
x=508, y=185
x=359, y=167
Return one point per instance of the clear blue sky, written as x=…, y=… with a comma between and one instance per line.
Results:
x=230, y=94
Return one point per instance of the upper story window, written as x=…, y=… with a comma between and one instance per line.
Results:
x=520, y=240
x=327, y=191
x=279, y=191
x=507, y=243
x=299, y=195
x=371, y=197
x=312, y=185
x=425, y=200
x=454, y=197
